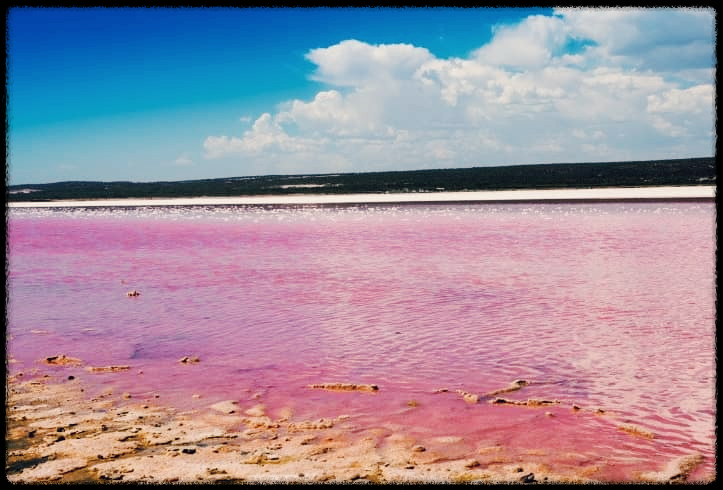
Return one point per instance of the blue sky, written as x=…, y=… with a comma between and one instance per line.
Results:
x=176, y=94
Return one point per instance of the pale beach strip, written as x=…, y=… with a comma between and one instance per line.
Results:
x=602, y=194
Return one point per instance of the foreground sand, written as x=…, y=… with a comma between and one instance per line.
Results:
x=57, y=433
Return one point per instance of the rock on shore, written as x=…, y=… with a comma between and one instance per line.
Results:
x=676, y=471
x=56, y=434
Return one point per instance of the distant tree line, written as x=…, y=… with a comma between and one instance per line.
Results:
x=689, y=171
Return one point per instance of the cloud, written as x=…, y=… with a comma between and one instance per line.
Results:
x=265, y=134
x=333, y=114
x=353, y=63
x=698, y=99
x=530, y=44
x=661, y=39
x=581, y=85
x=666, y=109
x=184, y=160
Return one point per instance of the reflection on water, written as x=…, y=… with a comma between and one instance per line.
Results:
x=608, y=305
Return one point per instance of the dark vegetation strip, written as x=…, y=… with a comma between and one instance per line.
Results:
x=689, y=171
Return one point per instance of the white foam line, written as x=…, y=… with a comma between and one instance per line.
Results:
x=685, y=192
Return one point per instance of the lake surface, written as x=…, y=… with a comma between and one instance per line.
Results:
x=603, y=305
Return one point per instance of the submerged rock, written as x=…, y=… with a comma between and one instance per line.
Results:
x=344, y=387
x=228, y=406
x=532, y=402
x=514, y=386
x=468, y=397
x=62, y=360
x=504, y=401
x=107, y=369
x=256, y=411
x=637, y=431
x=189, y=360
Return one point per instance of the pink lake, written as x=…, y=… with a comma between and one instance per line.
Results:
x=605, y=305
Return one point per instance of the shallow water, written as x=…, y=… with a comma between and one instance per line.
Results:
x=607, y=305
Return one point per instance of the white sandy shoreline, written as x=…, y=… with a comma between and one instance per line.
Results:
x=612, y=193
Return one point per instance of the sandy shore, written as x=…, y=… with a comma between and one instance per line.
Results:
x=616, y=193
x=56, y=431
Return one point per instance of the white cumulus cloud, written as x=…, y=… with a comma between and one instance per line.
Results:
x=530, y=44
x=698, y=99
x=662, y=39
x=638, y=86
x=353, y=63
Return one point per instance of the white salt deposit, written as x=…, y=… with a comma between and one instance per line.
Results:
x=685, y=192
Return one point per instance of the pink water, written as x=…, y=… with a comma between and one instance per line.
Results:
x=606, y=305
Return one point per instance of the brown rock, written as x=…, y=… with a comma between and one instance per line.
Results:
x=636, y=431
x=63, y=360
x=514, y=386
x=468, y=397
x=504, y=401
x=528, y=403
x=528, y=478
x=107, y=369
x=345, y=387
x=532, y=402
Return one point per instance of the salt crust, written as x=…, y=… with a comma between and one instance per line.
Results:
x=74, y=440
